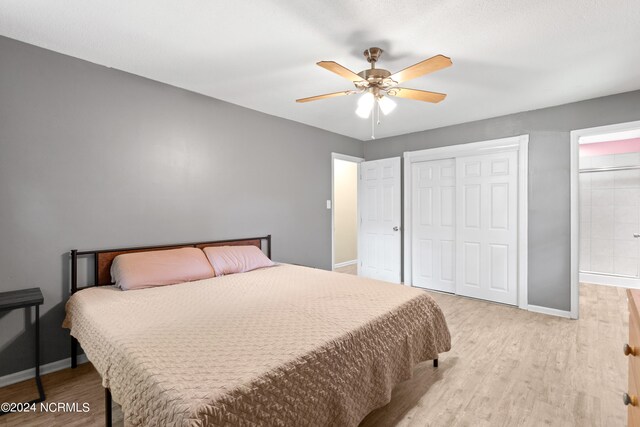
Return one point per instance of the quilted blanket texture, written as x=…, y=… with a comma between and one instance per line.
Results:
x=280, y=346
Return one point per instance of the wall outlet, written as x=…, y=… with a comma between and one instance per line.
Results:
x=328, y=204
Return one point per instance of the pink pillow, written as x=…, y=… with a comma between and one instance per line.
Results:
x=140, y=270
x=236, y=259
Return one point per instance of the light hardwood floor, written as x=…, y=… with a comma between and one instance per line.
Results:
x=510, y=367
x=349, y=269
x=507, y=367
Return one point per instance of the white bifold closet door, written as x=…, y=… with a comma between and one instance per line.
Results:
x=487, y=223
x=464, y=215
x=379, y=237
x=434, y=215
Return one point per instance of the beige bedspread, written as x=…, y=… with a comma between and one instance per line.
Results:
x=285, y=346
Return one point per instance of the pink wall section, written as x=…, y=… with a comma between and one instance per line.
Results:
x=610, y=147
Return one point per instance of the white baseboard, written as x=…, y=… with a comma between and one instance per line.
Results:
x=604, y=279
x=549, y=311
x=344, y=264
x=27, y=374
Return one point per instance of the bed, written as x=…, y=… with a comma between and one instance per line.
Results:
x=285, y=345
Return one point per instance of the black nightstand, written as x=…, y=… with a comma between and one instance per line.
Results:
x=25, y=298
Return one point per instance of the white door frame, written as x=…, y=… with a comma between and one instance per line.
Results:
x=357, y=160
x=516, y=143
x=575, y=200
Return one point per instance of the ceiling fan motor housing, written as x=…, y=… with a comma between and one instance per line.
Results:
x=377, y=77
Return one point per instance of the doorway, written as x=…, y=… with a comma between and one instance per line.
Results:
x=344, y=212
x=609, y=210
x=605, y=207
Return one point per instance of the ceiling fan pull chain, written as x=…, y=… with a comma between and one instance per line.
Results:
x=378, y=105
x=373, y=126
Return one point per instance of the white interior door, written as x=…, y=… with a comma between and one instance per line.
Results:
x=486, y=227
x=433, y=224
x=379, y=207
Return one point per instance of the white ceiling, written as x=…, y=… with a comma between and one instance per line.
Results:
x=508, y=55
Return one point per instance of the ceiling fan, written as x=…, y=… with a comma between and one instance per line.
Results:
x=375, y=83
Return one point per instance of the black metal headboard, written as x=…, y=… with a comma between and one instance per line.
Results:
x=102, y=258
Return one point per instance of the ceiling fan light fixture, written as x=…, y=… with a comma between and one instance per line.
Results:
x=366, y=100
x=363, y=113
x=386, y=105
x=365, y=105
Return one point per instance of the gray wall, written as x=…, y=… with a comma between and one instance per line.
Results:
x=92, y=157
x=549, y=198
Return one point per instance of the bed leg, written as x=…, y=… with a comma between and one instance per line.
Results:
x=74, y=352
x=107, y=407
x=435, y=363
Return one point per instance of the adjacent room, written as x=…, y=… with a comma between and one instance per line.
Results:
x=319, y=213
x=609, y=213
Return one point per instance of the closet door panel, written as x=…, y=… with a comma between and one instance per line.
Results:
x=433, y=224
x=486, y=236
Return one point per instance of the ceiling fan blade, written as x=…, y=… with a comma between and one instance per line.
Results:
x=326, y=95
x=417, y=95
x=427, y=66
x=334, y=67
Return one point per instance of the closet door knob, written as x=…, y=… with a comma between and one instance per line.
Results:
x=636, y=235
x=629, y=400
x=628, y=350
x=395, y=228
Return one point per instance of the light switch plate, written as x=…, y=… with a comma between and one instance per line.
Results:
x=328, y=204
